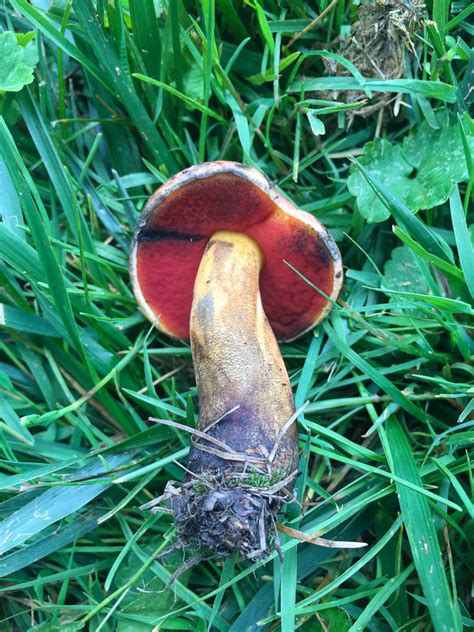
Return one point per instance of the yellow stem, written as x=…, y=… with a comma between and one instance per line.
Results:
x=237, y=360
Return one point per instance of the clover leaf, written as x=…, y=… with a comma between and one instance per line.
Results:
x=401, y=273
x=387, y=165
x=18, y=58
x=420, y=173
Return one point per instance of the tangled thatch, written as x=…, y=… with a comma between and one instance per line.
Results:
x=379, y=42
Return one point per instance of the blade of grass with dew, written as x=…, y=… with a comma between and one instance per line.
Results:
x=53, y=505
x=147, y=34
x=28, y=555
x=423, y=539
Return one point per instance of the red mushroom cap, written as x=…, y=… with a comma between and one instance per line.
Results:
x=178, y=220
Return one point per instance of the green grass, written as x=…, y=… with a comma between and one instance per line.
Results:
x=123, y=96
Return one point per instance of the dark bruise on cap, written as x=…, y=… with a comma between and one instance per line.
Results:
x=181, y=216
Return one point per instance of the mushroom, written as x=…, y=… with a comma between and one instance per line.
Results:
x=214, y=260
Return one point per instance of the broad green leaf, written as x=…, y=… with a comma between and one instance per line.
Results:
x=385, y=162
x=143, y=607
x=402, y=273
x=330, y=619
x=17, y=62
x=420, y=173
x=439, y=161
x=193, y=83
x=405, y=218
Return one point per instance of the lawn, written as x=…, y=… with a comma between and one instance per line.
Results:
x=359, y=113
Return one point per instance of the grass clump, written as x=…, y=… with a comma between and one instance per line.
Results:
x=125, y=94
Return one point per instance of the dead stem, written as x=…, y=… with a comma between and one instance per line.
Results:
x=313, y=539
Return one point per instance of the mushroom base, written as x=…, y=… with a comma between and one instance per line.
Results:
x=231, y=513
x=225, y=522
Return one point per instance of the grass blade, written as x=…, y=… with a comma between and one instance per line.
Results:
x=179, y=95
x=374, y=605
x=433, y=89
x=29, y=555
x=54, y=504
x=463, y=239
x=36, y=219
x=371, y=372
x=421, y=533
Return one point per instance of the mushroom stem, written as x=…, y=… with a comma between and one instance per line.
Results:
x=244, y=458
x=241, y=377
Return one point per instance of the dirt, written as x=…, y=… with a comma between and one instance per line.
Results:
x=225, y=514
x=379, y=42
x=224, y=521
